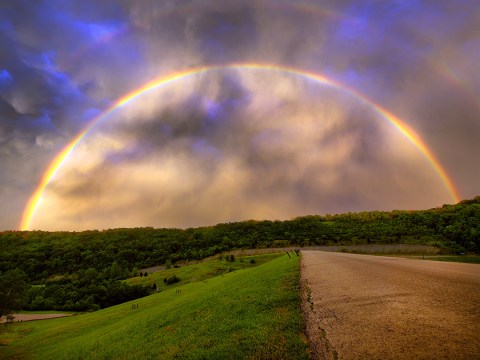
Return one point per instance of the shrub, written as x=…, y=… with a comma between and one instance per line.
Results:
x=172, y=280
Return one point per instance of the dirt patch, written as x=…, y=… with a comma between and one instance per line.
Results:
x=372, y=307
x=31, y=317
x=320, y=347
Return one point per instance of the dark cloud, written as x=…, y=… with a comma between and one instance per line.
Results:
x=62, y=61
x=213, y=33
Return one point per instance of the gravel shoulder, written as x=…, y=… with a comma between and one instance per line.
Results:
x=373, y=307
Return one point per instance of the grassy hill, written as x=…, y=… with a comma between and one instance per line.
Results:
x=201, y=271
x=250, y=313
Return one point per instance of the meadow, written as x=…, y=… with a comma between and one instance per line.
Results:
x=472, y=259
x=245, y=313
x=200, y=271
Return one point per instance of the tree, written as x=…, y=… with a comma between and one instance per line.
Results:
x=116, y=272
x=90, y=275
x=135, y=272
x=13, y=290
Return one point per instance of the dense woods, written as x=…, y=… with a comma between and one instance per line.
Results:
x=97, y=260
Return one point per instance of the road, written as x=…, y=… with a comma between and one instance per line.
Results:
x=373, y=307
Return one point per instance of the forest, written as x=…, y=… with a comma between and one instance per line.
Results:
x=83, y=270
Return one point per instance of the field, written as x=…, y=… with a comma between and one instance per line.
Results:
x=470, y=259
x=201, y=271
x=256, y=310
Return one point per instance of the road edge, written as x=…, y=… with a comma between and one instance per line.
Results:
x=319, y=345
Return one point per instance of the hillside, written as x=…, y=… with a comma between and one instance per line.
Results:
x=257, y=310
x=453, y=228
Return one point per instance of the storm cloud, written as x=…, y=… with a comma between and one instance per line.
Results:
x=231, y=145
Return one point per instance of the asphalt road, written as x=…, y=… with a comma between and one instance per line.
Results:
x=372, y=307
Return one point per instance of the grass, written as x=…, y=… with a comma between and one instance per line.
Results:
x=201, y=271
x=247, y=314
x=388, y=249
x=410, y=251
x=470, y=259
x=47, y=312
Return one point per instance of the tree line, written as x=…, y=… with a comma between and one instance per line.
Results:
x=83, y=270
x=117, y=252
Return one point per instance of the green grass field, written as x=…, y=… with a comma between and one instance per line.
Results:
x=470, y=259
x=247, y=314
x=201, y=271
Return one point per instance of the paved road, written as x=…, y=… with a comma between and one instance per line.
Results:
x=372, y=307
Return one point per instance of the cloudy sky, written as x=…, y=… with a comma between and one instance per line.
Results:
x=235, y=143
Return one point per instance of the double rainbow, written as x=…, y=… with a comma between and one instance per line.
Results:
x=60, y=159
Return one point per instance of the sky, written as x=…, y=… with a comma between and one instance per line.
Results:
x=272, y=110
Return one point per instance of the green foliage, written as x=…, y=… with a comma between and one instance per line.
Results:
x=172, y=280
x=13, y=287
x=257, y=310
x=85, y=291
x=76, y=296
x=115, y=253
x=135, y=272
x=200, y=272
x=90, y=275
x=168, y=264
x=463, y=259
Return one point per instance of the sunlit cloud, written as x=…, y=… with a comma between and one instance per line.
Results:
x=238, y=150
x=234, y=145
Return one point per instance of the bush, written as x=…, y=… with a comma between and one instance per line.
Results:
x=252, y=261
x=172, y=280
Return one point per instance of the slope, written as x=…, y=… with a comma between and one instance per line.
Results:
x=252, y=313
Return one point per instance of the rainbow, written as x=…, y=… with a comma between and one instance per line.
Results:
x=60, y=159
